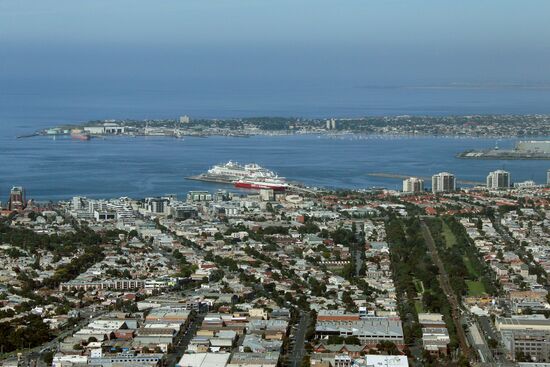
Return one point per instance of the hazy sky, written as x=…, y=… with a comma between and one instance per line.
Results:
x=363, y=42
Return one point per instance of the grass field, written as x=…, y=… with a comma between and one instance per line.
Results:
x=419, y=286
x=471, y=270
x=418, y=306
x=475, y=288
x=449, y=236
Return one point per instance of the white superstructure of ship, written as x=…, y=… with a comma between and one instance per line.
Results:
x=234, y=171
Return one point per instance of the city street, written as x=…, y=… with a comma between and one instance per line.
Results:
x=298, y=351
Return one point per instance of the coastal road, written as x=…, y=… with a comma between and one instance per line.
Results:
x=446, y=287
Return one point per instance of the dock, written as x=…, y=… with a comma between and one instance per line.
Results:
x=503, y=155
x=293, y=186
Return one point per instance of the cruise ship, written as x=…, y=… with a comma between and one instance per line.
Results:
x=233, y=171
x=248, y=176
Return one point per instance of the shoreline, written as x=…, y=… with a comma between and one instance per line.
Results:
x=487, y=126
x=342, y=134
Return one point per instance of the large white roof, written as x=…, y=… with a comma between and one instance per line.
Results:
x=386, y=361
x=204, y=360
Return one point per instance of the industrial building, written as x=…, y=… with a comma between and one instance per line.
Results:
x=528, y=335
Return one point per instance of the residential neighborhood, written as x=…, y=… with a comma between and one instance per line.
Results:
x=266, y=278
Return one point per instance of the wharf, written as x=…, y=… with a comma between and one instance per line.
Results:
x=293, y=186
x=503, y=155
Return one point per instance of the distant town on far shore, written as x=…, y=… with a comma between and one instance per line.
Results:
x=475, y=125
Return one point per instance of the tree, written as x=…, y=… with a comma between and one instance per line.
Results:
x=47, y=357
x=463, y=361
x=309, y=227
x=521, y=357
x=388, y=348
x=216, y=275
x=353, y=340
x=335, y=339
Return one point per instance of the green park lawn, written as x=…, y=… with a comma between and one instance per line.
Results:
x=475, y=288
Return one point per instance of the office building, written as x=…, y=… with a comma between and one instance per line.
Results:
x=197, y=196
x=413, y=185
x=79, y=203
x=17, y=198
x=370, y=331
x=498, y=179
x=443, y=182
x=183, y=212
x=184, y=119
x=528, y=335
x=129, y=359
x=157, y=205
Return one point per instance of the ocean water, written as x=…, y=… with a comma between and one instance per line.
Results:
x=138, y=167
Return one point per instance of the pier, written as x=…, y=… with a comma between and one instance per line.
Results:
x=293, y=186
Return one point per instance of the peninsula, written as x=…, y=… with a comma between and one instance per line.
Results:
x=461, y=126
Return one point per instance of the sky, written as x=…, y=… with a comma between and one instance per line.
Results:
x=316, y=42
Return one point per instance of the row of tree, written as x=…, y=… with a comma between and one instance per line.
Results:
x=30, y=332
x=412, y=265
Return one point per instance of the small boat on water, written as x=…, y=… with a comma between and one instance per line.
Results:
x=78, y=134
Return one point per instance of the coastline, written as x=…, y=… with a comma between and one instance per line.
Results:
x=486, y=126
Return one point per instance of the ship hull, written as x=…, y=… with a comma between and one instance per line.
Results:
x=80, y=137
x=259, y=186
